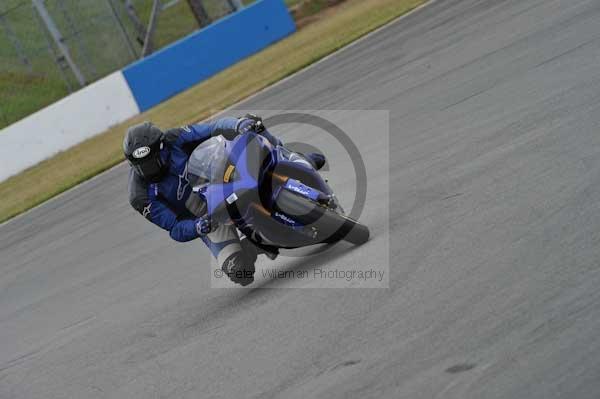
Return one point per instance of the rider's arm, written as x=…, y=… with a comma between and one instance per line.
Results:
x=143, y=198
x=189, y=137
x=162, y=216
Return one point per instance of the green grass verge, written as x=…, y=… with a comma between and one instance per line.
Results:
x=338, y=27
x=24, y=93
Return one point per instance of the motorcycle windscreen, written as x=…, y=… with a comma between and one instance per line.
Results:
x=207, y=162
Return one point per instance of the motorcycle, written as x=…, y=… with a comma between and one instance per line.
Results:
x=272, y=195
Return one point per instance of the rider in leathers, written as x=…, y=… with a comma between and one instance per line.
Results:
x=160, y=191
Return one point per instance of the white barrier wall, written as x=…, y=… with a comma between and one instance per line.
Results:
x=65, y=123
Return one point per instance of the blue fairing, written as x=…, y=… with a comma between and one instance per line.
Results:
x=302, y=189
x=248, y=198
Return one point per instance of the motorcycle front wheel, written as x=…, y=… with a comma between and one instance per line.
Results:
x=329, y=226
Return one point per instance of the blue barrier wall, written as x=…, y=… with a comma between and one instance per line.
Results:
x=208, y=51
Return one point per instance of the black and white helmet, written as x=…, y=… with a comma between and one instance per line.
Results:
x=141, y=146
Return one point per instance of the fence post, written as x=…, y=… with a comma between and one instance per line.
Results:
x=57, y=61
x=89, y=66
x=58, y=39
x=149, y=39
x=199, y=12
x=135, y=20
x=235, y=5
x=119, y=23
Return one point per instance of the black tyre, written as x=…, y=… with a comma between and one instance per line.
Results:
x=329, y=225
x=351, y=231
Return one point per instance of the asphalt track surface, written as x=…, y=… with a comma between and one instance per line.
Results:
x=494, y=245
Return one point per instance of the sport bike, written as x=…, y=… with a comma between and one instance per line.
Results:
x=272, y=195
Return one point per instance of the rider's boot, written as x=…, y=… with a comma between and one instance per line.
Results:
x=317, y=160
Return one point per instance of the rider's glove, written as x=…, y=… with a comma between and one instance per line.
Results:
x=250, y=122
x=204, y=226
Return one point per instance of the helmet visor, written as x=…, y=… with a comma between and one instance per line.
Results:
x=150, y=168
